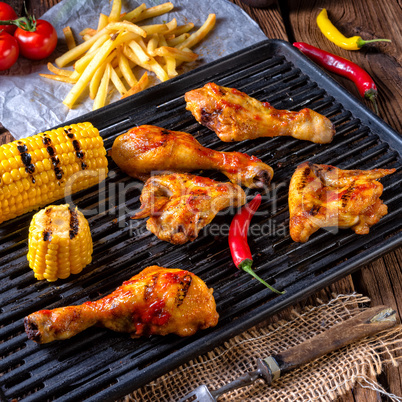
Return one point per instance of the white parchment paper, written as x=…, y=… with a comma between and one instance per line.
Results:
x=30, y=104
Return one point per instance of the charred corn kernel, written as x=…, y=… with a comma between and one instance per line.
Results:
x=55, y=163
x=59, y=243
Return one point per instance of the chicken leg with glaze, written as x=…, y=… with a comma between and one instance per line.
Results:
x=235, y=116
x=157, y=301
x=146, y=149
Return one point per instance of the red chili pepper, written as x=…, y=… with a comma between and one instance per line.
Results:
x=239, y=247
x=343, y=67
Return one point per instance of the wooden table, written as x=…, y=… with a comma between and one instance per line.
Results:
x=294, y=20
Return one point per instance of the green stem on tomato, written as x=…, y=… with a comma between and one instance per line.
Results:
x=246, y=266
x=26, y=23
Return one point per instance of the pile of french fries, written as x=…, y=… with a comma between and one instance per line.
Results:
x=111, y=53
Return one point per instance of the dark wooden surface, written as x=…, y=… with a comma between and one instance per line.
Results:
x=294, y=20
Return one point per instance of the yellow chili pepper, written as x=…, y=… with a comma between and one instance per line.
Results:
x=332, y=34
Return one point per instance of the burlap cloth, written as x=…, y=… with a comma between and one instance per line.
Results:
x=321, y=380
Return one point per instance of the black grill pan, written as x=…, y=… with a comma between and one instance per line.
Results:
x=99, y=365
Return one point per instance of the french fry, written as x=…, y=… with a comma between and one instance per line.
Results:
x=171, y=66
x=88, y=31
x=115, y=12
x=133, y=57
x=152, y=44
x=100, y=98
x=181, y=29
x=96, y=78
x=200, y=33
x=118, y=72
x=68, y=34
x=91, y=32
x=58, y=71
x=95, y=81
x=134, y=13
x=115, y=62
x=129, y=26
x=61, y=78
x=81, y=63
x=155, y=28
x=141, y=42
x=139, y=52
x=102, y=22
x=111, y=52
x=153, y=12
x=158, y=70
x=79, y=50
x=98, y=59
x=126, y=70
x=176, y=53
x=117, y=82
x=172, y=25
x=138, y=87
x=170, y=62
x=99, y=42
x=177, y=40
x=75, y=75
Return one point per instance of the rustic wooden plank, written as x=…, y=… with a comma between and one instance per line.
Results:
x=369, y=19
x=360, y=394
x=18, y=6
x=382, y=282
x=35, y=7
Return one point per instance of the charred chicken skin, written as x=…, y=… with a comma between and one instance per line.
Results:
x=325, y=196
x=157, y=301
x=180, y=205
x=235, y=116
x=147, y=149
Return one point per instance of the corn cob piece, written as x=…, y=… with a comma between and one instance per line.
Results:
x=38, y=170
x=59, y=243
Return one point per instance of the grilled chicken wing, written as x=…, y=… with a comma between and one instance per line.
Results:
x=325, y=196
x=145, y=149
x=235, y=116
x=157, y=301
x=180, y=205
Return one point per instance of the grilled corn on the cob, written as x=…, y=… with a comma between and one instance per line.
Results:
x=59, y=242
x=38, y=170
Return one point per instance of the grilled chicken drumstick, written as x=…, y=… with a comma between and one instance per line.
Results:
x=145, y=149
x=235, y=116
x=180, y=205
x=325, y=196
x=157, y=301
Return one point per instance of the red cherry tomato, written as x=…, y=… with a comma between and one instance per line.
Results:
x=7, y=13
x=40, y=43
x=8, y=50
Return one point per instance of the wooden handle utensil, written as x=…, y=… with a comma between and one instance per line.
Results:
x=364, y=324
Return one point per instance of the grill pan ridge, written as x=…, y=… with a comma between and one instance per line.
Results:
x=101, y=365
